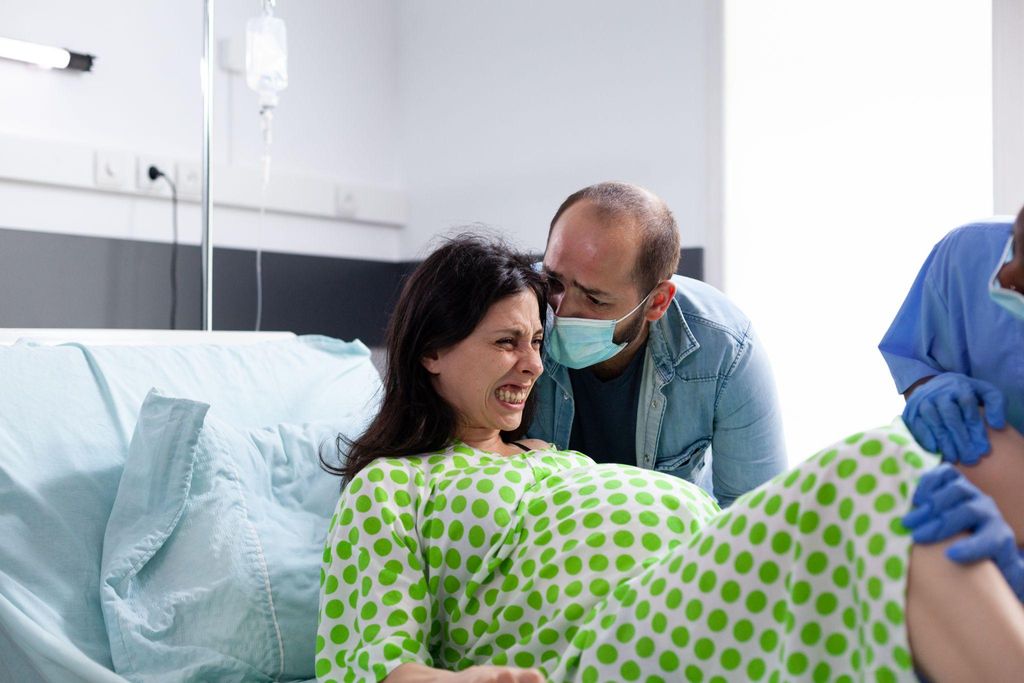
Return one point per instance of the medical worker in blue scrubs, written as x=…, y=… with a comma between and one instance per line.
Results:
x=956, y=347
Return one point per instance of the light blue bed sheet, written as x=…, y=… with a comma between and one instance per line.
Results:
x=66, y=417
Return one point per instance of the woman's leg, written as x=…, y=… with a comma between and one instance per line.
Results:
x=804, y=578
x=1001, y=475
x=964, y=622
x=813, y=577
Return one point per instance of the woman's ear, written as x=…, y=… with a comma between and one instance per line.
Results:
x=431, y=361
x=661, y=297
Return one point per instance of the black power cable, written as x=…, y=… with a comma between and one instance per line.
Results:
x=155, y=173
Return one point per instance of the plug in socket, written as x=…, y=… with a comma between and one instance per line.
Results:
x=346, y=205
x=142, y=180
x=189, y=178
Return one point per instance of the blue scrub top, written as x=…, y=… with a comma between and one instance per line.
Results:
x=948, y=323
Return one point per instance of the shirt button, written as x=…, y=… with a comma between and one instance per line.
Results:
x=654, y=403
x=565, y=396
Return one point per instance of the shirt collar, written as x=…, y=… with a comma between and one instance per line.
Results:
x=671, y=340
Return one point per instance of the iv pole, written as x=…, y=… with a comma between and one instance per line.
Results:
x=206, y=79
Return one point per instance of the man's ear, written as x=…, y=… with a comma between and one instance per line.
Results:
x=661, y=297
x=431, y=361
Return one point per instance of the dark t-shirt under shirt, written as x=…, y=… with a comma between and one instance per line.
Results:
x=604, y=419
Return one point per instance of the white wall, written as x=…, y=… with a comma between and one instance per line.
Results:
x=489, y=112
x=507, y=107
x=337, y=118
x=1008, y=104
x=857, y=134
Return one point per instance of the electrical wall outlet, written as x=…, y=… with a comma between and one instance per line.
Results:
x=346, y=203
x=189, y=178
x=112, y=169
x=142, y=180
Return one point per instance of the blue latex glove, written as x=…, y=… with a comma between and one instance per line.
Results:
x=946, y=504
x=944, y=416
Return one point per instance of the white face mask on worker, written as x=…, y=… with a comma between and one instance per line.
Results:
x=1010, y=299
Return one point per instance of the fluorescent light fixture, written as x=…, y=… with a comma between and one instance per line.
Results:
x=44, y=56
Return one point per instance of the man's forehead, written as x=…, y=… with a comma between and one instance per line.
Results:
x=600, y=274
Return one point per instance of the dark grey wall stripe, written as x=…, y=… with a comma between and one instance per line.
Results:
x=691, y=263
x=50, y=280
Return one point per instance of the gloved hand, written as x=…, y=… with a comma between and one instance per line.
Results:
x=944, y=416
x=945, y=504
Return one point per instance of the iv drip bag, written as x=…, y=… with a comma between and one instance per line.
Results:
x=266, y=57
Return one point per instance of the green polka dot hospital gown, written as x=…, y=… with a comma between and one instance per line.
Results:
x=612, y=573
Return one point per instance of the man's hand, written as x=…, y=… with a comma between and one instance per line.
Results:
x=947, y=504
x=944, y=415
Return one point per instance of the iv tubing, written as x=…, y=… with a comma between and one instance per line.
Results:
x=266, y=119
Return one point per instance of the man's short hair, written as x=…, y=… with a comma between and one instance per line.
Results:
x=658, y=255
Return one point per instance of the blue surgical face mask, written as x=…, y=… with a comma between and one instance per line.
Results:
x=1010, y=299
x=581, y=342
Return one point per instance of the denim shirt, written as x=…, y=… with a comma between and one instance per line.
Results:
x=707, y=388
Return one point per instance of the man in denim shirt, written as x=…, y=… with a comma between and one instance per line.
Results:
x=645, y=367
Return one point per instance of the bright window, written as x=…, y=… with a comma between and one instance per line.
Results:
x=857, y=133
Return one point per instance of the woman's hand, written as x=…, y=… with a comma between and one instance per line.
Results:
x=947, y=504
x=418, y=673
x=497, y=674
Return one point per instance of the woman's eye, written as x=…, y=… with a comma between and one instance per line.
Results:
x=538, y=341
x=506, y=342
x=595, y=301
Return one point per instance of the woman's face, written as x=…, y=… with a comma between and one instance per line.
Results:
x=487, y=376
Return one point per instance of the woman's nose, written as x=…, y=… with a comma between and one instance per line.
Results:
x=530, y=363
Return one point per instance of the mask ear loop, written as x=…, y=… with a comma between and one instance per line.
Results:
x=1013, y=247
x=637, y=307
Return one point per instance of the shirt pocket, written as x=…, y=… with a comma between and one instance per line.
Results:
x=684, y=462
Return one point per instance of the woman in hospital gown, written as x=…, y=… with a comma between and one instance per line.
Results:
x=487, y=551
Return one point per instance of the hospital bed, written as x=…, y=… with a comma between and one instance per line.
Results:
x=160, y=535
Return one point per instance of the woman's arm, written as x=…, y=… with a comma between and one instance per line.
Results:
x=376, y=608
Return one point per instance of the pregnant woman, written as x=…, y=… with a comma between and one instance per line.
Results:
x=459, y=552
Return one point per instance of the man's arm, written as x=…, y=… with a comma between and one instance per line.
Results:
x=748, y=447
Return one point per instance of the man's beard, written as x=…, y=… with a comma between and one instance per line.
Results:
x=633, y=331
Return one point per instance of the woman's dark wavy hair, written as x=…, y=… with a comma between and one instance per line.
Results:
x=441, y=304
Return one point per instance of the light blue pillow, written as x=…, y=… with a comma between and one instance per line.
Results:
x=67, y=415
x=211, y=559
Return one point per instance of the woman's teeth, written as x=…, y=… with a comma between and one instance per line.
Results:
x=512, y=396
